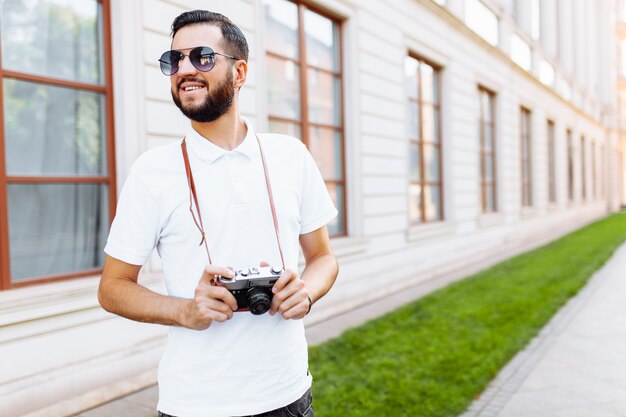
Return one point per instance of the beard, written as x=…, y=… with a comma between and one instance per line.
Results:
x=214, y=105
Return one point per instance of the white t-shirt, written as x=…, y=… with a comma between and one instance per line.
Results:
x=249, y=364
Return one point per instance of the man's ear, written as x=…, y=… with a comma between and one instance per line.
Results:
x=240, y=73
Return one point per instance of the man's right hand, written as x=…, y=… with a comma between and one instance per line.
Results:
x=210, y=302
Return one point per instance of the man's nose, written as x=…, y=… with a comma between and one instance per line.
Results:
x=186, y=67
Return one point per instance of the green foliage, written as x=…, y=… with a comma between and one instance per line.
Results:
x=434, y=356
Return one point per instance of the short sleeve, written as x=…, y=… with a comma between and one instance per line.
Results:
x=316, y=207
x=135, y=229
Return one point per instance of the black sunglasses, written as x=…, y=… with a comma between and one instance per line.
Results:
x=201, y=57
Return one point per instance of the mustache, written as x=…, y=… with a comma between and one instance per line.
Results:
x=191, y=80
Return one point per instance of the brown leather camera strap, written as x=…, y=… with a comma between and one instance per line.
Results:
x=193, y=199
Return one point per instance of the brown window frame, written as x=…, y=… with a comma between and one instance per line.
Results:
x=484, y=153
x=304, y=121
x=106, y=90
x=570, y=165
x=421, y=143
x=551, y=142
x=526, y=156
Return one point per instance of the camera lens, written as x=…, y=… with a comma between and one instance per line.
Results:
x=259, y=300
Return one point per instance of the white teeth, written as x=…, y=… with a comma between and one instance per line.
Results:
x=191, y=88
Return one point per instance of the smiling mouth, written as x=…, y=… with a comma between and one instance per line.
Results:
x=192, y=88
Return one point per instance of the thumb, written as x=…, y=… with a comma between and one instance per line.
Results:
x=263, y=263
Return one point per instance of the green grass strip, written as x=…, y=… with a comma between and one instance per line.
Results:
x=435, y=355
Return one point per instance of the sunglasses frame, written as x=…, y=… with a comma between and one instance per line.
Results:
x=193, y=55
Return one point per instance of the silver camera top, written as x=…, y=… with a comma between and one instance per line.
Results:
x=255, y=276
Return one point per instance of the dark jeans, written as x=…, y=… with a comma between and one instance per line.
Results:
x=302, y=407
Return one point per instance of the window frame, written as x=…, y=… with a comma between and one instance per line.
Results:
x=526, y=156
x=485, y=154
x=420, y=142
x=304, y=121
x=106, y=89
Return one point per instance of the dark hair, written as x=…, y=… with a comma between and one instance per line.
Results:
x=234, y=41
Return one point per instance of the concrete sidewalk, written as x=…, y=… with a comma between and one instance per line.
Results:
x=575, y=367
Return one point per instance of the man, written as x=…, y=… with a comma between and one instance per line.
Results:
x=219, y=362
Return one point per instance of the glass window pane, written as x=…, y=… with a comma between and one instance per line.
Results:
x=283, y=88
x=414, y=161
x=324, y=98
x=54, y=38
x=430, y=123
x=336, y=226
x=326, y=147
x=53, y=130
x=429, y=83
x=488, y=164
x=433, y=202
x=322, y=41
x=485, y=104
x=415, y=203
x=56, y=228
x=488, y=137
x=411, y=65
x=413, y=113
x=286, y=128
x=281, y=23
x=431, y=162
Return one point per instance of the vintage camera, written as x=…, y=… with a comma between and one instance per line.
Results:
x=252, y=287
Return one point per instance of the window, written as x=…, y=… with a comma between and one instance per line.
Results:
x=57, y=184
x=305, y=90
x=525, y=148
x=583, y=168
x=487, y=150
x=482, y=20
x=570, y=165
x=424, y=107
x=551, y=163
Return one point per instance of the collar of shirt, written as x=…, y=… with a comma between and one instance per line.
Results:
x=209, y=152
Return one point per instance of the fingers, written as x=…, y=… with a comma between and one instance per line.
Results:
x=211, y=271
x=286, y=277
x=290, y=296
x=298, y=311
x=216, y=310
x=216, y=293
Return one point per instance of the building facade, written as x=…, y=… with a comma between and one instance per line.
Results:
x=451, y=134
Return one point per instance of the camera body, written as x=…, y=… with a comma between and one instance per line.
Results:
x=252, y=287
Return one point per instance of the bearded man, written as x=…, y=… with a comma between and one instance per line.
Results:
x=223, y=205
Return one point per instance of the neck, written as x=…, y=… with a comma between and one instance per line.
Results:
x=227, y=132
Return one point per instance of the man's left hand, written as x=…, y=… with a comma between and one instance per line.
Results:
x=291, y=297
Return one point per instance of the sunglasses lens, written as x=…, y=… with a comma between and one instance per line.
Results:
x=169, y=62
x=203, y=58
